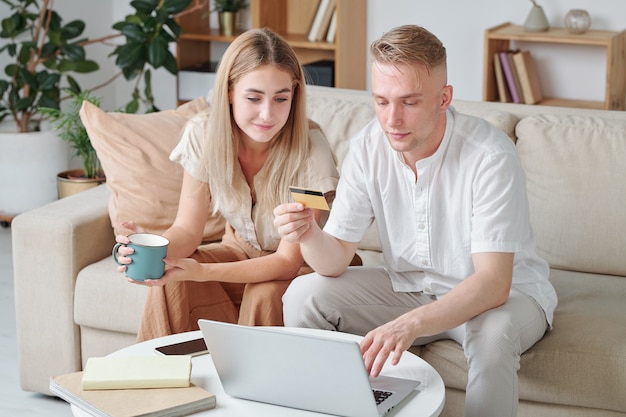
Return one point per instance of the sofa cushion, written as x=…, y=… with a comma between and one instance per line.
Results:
x=134, y=150
x=559, y=154
x=503, y=120
x=104, y=299
x=574, y=364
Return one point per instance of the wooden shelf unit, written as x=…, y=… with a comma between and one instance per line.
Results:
x=291, y=19
x=499, y=38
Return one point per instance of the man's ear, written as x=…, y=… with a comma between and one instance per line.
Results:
x=446, y=97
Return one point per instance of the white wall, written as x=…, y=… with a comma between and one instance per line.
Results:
x=566, y=71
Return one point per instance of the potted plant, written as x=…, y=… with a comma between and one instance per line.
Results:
x=70, y=128
x=44, y=52
x=228, y=11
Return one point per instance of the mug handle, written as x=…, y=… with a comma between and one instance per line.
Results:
x=114, y=253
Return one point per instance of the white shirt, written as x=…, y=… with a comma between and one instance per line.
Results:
x=470, y=197
x=253, y=224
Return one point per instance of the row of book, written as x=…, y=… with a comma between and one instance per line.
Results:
x=516, y=77
x=324, y=24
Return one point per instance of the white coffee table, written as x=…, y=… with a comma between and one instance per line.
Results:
x=427, y=401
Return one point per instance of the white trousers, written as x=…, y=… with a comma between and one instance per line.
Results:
x=362, y=299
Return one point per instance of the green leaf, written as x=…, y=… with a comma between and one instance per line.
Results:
x=73, y=29
x=144, y=6
x=24, y=53
x=74, y=86
x=129, y=54
x=132, y=106
x=176, y=6
x=86, y=66
x=170, y=63
x=47, y=81
x=12, y=25
x=73, y=52
x=133, y=32
x=48, y=49
x=50, y=98
x=157, y=51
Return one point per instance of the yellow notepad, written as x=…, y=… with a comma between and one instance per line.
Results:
x=127, y=372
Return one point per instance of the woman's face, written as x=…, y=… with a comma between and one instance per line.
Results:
x=261, y=102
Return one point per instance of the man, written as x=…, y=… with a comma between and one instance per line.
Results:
x=448, y=194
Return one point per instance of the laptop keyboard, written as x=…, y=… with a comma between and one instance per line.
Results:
x=381, y=396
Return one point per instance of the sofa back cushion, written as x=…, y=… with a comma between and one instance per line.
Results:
x=576, y=175
x=134, y=150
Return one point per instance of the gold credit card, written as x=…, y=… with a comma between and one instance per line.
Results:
x=309, y=198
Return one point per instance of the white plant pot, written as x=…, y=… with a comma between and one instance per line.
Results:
x=29, y=164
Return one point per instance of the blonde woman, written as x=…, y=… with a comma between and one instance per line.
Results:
x=239, y=159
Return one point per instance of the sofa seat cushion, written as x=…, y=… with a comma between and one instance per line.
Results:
x=580, y=362
x=104, y=299
x=575, y=175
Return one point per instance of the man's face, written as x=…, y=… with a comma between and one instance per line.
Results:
x=410, y=104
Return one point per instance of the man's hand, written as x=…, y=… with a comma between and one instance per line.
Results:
x=392, y=338
x=294, y=221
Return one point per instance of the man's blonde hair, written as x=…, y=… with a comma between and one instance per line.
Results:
x=409, y=44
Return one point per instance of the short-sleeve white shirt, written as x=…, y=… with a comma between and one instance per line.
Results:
x=253, y=224
x=470, y=197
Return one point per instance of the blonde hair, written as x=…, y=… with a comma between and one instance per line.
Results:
x=289, y=149
x=409, y=44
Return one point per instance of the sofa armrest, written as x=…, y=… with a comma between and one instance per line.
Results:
x=51, y=244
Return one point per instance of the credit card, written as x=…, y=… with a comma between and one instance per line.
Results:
x=309, y=198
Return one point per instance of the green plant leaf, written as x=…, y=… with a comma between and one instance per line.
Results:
x=157, y=50
x=176, y=6
x=133, y=32
x=73, y=52
x=129, y=54
x=73, y=30
x=47, y=81
x=170, y=63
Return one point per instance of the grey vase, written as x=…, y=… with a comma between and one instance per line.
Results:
x=536, y=20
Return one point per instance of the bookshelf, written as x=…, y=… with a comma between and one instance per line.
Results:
x=292, y=20
x=499, y=38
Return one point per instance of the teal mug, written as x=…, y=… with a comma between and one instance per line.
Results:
x=147, y=261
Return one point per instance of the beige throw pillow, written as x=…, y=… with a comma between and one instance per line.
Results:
x=134, y=150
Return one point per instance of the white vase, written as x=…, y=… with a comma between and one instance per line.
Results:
x=29, y=164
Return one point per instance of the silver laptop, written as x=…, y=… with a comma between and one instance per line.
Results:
x=311, y=372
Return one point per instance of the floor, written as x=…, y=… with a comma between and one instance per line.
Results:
x=13, y=401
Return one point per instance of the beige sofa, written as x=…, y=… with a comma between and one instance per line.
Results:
x=72, y=304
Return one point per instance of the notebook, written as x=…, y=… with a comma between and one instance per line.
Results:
x=299, y=370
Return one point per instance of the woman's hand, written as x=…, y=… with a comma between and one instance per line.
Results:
x=124, y=251
x=184, y=269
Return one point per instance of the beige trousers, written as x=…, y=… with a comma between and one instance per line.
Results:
x=177, y=306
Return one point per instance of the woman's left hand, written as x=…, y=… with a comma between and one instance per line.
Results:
x=183, y=269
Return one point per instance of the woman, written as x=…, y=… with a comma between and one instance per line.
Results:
x=239, y=159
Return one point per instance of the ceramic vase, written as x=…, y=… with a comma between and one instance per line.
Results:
x=536, y=20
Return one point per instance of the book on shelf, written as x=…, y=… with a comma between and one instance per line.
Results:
x=332, y=28
x=511, y=76
x=503, y=91
x=529, y=80
x=148, y=402
x=321, y=21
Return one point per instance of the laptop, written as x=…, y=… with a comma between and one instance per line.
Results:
x=300, y=370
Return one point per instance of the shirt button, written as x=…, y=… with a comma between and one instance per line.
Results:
x=421, y=226
x=424, y=262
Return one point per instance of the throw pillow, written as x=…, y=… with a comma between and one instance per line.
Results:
x=134, y=151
